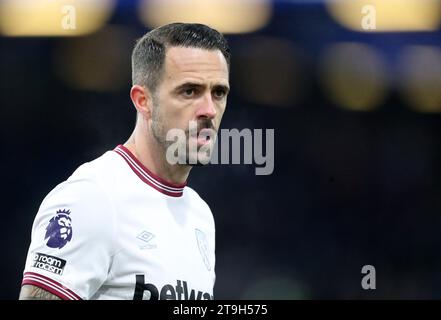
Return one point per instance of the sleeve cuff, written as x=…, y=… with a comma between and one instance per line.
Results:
x=52, y=286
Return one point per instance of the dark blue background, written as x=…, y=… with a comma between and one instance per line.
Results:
x=348, y=189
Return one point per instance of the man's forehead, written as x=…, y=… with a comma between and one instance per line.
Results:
x=182, y=61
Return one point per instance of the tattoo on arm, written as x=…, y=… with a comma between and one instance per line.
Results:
x=29, y=292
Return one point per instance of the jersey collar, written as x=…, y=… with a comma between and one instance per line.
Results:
x=161, y=185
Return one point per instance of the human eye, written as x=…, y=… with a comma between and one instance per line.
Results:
x=219, y=93
x=189, y=92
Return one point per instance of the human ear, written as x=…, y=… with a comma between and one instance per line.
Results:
x=142, y=100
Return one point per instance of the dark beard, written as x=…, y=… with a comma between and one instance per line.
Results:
x=157, y=130
x=201, y=124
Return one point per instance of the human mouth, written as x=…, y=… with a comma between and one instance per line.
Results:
x=204, y=136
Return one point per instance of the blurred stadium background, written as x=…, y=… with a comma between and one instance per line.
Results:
x=357, y=119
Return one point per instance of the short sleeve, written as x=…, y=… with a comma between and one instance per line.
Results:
x=72, y=240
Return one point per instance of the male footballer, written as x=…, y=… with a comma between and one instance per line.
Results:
x=125, y=225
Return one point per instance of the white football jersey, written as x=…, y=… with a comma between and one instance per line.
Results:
x=114, y=230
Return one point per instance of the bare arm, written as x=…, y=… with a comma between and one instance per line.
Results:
x=29, y=292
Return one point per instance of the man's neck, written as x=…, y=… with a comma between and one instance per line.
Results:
x=146, y=149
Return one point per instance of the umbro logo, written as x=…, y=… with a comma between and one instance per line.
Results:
x=145, y=240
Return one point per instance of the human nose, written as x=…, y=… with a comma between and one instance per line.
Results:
x=207, y=108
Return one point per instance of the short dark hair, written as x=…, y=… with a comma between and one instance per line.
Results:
x=148, y=55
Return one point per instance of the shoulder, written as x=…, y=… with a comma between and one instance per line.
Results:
x=195, y=198
x=199, y=206
x=85, y=193
x=99, y=170
x=89, y=178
